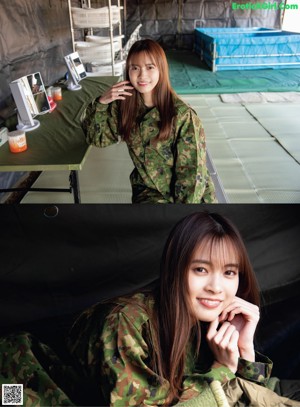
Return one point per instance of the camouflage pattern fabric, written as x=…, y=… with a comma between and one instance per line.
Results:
x=258, y=372
x=24, y=360
x=170, y=171
x=121, y=352
x=111, y=365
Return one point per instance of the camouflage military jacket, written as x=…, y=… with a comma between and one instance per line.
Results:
x=169, y=171
x=116, y=355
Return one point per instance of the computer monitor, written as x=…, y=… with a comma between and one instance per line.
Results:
x=31, y=100
x=76, y=70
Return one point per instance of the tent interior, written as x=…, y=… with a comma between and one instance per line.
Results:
x=58, y=260
x=249, y=116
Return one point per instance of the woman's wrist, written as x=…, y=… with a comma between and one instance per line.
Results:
x=217, y=364
x=248, y=354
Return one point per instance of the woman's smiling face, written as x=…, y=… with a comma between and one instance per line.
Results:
x=213, y=279
x=143, y=75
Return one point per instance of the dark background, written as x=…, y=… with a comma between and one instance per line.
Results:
x=52, y=267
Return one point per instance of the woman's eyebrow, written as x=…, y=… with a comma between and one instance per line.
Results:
x=232, y=265
x=209, y=263
x=150, y=63
x=201, y=261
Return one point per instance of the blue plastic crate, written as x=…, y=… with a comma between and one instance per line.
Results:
x=247, y=48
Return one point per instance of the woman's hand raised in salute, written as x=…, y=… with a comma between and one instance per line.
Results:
x=116, y=92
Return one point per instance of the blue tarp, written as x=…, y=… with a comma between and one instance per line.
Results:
x=244, y=48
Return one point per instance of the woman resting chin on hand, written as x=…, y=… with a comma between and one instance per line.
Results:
x=235, y=336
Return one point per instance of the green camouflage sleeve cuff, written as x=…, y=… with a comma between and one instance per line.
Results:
x=220, y=373
x=101, y=107
x=258, y=371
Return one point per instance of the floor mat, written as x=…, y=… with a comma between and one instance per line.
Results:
x=251, y=162
x=103, y=179
x=190, y=76
x=255, y=148
x=282, y=123
x=261, y=97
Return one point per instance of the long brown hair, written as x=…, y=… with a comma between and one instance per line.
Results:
x=174, y=322
x=163, y=94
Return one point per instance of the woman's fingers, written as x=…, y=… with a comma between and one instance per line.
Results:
x=123, y=83
x=122, y=92
x=212, y=330
x=239, y=306
x=122, y=87
x=224, y=344
x=223, y=336
x=233, y=342
x=234, y=337
x=118, y=91
x=244, y=316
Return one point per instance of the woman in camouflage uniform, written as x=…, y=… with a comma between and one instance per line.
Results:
x=187, y=342
x=176, y=343
x=165, y=137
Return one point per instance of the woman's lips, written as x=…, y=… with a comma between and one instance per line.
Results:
x=209, y=303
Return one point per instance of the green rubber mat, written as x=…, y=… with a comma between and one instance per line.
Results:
x=190, y=76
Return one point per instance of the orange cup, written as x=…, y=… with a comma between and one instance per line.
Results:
x=56, y=93
x=17, y=141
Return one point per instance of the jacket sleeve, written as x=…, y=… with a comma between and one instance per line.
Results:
x=128, y=372
x=100, y=124
x=258, y=371
x=192, y=180
x=126, y=365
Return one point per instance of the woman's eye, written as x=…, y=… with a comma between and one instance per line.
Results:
x=200, y=270
x=231, y=273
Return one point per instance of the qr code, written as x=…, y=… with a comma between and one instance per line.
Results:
x=12, y=394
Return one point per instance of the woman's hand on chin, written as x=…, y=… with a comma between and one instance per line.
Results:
x=244, y=316
x=224, y=344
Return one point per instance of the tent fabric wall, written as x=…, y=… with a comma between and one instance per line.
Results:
x=92, y=251
x=35, y=36
x=54, y=267
x=172, y=22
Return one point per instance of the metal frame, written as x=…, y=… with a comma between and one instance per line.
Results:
x=74, y=188
x=111, y=27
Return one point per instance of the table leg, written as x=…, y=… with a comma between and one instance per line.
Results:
x=74, y=184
